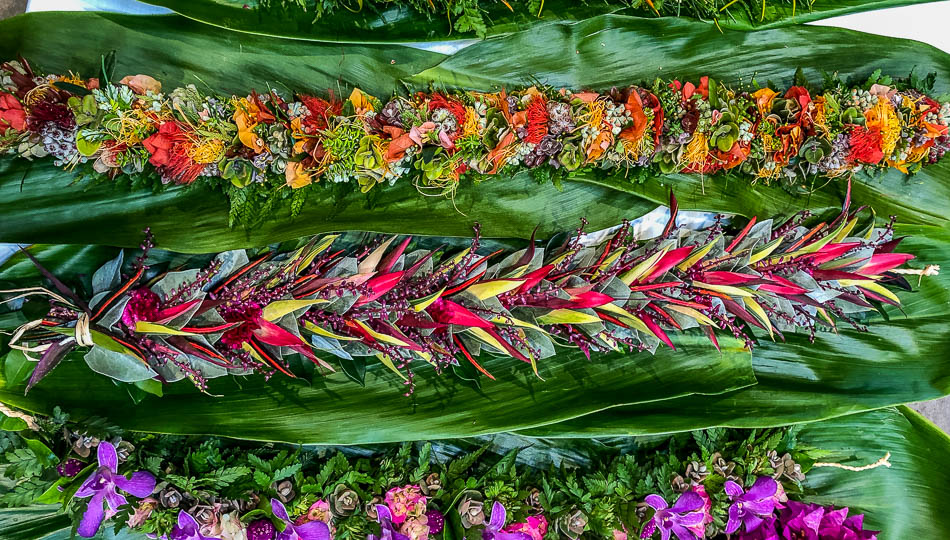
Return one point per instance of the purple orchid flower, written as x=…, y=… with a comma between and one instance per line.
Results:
x=188, y=529
x=314, y=530
x=801, y=520
x=493, y=529
x=389, y=532
x=752, y=507
x=686, y=512
x=101, y=486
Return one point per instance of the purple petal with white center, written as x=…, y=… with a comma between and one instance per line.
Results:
x=279, y=510
x=140, y=485
x=734, y=520
x=498, y=517
x=763, y=488
x=733, y=489
x=656, y=502
x=113, y=499
x=87, y=489
x=689, y=501
x=92, y=517
x=107, y=456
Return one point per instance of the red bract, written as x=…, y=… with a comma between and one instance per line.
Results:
x=865, y=145
x=12, y=115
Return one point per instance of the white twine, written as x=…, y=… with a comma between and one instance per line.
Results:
x=883, y=462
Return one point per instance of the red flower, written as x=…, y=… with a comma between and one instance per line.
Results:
x=169, y=149
x=865, y=145
x=247, y=314
x=537, y=124
x=320, y=112
x=12, y=115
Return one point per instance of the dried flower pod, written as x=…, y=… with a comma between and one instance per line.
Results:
x=679, y=484
x=170, y=498
x=344, y=501
x=696, y=472
x=572, y=524
x=533, y=501
x=81, y=443
x=785, y=466
x=472, y=509
x=370, y=507
x=724, y=468
x=123, y=449
x=285, y=490
x=431, y=484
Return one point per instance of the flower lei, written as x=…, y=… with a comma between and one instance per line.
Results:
x=194, y=488
x=245, y=312
x=262, y=142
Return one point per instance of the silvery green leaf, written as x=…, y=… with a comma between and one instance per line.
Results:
x=108, y=276
x=330, y=345
x=118, y=366
x=230, y=261
x=173, y=280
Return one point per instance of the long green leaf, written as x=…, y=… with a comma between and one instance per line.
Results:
x=388, y=21
x=39, y=204
x=334, y=410
x=32, y=522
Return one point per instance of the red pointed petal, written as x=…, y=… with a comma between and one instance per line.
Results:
x=882, y=262
x=671, y=259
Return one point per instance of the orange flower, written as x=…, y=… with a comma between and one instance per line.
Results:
x=634, y=106
x=246, y=118
x=763, y=99
x=297, y=175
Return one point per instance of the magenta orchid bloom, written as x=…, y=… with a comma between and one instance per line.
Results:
x=188, y=529
x=494, y=527
x=102, y=486
x=686, y=512
x=389, y=532
x=752, y=507
x=314, y=530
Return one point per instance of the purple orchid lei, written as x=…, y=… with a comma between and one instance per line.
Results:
x=685, y=513
x=750, y=508
x=103, y=485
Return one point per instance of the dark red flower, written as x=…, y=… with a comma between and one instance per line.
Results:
x=321, y=111
x=248, y=314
